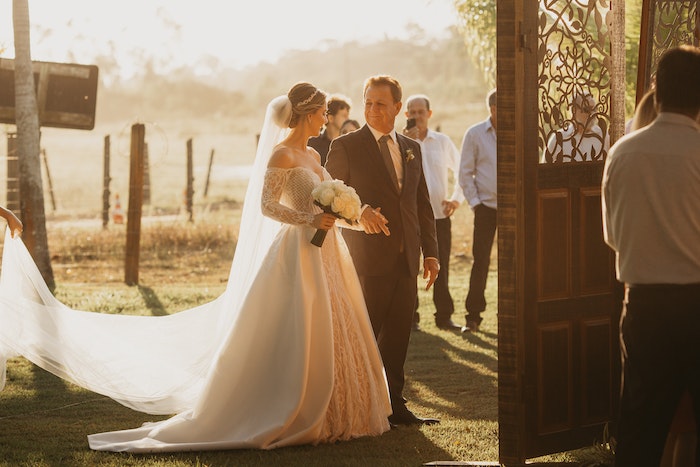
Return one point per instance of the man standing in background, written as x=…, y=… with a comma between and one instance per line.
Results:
x=651, y=195
x=338, y=111
x=477, y=177
x=440, y=156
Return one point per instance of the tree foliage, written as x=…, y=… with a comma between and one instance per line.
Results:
x=478, y=28
x=439, y=68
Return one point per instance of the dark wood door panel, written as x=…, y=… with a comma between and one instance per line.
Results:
x=553, y=244
x=595, y=257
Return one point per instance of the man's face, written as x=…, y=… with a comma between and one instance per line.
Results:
x=380, y=108
x=418, y=109
x=337, y=120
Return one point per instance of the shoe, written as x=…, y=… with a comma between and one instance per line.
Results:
x=406, y=417
x=415, y=326
x=472, y=326
x=447, y=324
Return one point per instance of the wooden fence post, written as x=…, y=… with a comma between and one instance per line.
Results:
x=211, y=161
x=106, y=179
x=48, y=179
x=133, y=220
x=190, y=181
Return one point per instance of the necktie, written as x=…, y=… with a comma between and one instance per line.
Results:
x=388, y=160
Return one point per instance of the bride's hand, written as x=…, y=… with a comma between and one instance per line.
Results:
x=323, y=221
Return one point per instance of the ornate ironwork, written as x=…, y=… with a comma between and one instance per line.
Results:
x=574, y=80
x=670, y=23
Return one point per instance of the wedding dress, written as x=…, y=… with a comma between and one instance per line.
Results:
x=285, y=356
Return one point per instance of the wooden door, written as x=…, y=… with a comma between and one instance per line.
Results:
x=559, y=302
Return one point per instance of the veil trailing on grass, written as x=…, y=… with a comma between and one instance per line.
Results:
x=153, y=364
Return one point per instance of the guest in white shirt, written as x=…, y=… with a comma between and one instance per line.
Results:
x=477, y=178
x=440, y=157
x=580, y=139
x=651, y=219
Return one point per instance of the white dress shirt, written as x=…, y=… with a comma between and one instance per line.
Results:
x=477, y=169
x=591, y=144
x=651, y=202
x=440, y=156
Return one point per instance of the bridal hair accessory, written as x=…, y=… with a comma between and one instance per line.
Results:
x=282, y=111
x=307, y=100
x=335, y=197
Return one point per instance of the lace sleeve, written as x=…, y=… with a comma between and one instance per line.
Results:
x=275, y=179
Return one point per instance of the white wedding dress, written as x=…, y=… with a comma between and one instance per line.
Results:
x=285, y=356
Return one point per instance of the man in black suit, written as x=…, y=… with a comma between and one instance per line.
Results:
x=385, y=169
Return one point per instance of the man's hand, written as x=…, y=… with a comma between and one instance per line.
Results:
x=449, y=207
x=411, y=132
x=374, y=222
x=431, y=268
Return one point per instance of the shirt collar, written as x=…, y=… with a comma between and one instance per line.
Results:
x=431, y=134
x=378, y=134
x=489, y=125
x=677, y=119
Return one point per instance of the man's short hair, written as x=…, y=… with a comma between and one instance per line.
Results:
x=416, y=97
x=678, y=79
x=384, y=80
x=337, y=102
x=491, y=98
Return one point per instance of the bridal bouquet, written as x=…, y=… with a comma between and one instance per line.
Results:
x=335, y=197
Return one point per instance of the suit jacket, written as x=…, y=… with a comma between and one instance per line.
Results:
x=356, y=159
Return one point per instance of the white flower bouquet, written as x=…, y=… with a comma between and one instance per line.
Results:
x=335, y=197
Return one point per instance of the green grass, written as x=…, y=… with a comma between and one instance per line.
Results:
x=44, y=421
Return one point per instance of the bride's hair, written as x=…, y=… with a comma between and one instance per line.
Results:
x=305, y=99
x=302, y=99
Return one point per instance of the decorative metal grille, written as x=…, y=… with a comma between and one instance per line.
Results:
x=574, y=80
x=672, y=23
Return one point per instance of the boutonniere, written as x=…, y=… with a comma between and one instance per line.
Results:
x=409, y=155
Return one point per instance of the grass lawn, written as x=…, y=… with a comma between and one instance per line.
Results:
x=44, y=421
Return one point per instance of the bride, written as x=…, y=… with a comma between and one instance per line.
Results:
x=285, y=356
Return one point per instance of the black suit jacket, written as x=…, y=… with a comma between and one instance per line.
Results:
x=355, y=158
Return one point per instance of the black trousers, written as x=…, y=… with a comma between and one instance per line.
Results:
x=485, y=223
x=390, y=302
x=660, y=348
x=442, y=299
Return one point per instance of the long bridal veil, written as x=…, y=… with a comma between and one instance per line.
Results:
x=156, y=365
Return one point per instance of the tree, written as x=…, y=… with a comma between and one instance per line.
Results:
x=31, y=191
x=478, y=26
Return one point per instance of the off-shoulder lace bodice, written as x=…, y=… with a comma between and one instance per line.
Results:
x=286, y=195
